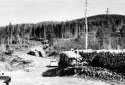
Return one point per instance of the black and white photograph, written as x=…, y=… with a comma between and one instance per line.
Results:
x=62, y=42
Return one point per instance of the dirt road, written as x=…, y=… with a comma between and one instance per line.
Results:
x=34, y=77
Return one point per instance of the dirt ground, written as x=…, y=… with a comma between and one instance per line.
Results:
x=33, y=77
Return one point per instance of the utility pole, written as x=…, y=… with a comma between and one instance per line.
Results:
x=86, y=26
x=107, y=11
x=110, y=39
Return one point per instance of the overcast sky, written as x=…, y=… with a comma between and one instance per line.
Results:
x=32, y=11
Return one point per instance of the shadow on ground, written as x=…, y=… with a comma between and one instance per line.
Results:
x=88, y=71
x=58, y=72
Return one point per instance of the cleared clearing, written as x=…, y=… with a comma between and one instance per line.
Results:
x=33, y=77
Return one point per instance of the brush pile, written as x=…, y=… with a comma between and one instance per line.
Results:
x=14, y=62
x=104, y=65
x=98, y=72
x=113, y=61
x=20, y=63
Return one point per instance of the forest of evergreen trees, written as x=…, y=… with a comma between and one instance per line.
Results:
x=109, y=30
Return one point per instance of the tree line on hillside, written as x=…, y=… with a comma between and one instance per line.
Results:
x=21, y=32
x=108, y=30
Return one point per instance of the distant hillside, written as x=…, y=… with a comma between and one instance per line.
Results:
x=106, y=31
